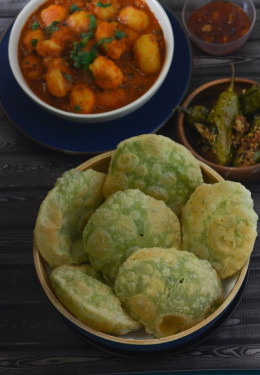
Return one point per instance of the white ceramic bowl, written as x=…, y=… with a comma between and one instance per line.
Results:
x=32, y=6
x=140, y=341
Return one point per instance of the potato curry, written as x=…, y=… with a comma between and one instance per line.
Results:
x=91, y=56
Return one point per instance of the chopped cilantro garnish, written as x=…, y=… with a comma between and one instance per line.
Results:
x=53, y=27
x=34, y=42
x=73, y=8
x=35, y=25
x=82, y=58
x=86, y=36
x=67, y=76
x=76, y=47
x=119, y=34
x=92, y=23
x=90, y=57
x=74, y=53
x=77, y=108
x=101, y=5
x=84, y=41
x=105, y=40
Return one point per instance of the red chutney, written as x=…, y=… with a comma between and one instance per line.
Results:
x=219, y=22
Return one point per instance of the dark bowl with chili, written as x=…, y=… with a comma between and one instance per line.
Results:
x=206, y=96
x=218, y=27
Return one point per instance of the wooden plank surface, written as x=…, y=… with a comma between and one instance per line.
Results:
x=34, y=339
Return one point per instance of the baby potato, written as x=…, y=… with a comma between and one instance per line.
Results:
x=82, y=99
x=56, y=81
x=53, y=13
x=47, y=61
x=32, y=67
x=110, y=9
x=50, y=47
x=57, y=63
x=55, y=45
x=112, y=98
x=137, y=19
x=116, y=47
x=31, y=39
x=105, y=30
x=63, y=36
x=147, y=54
x=131, y=36
x=79, y=21
x=107, y=74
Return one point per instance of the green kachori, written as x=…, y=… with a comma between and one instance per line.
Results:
x=87, y=269
x=63, y=215
x=168, y=290
x=127, y=221
x=163, y=275
x=91, y=302
x=219, y=224
x=157, y=166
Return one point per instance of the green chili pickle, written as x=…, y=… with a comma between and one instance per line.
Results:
x=250, y=100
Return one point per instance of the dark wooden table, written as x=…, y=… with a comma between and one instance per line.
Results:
x=34, y=339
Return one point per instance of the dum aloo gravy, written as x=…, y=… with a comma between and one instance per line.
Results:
x=91, y=57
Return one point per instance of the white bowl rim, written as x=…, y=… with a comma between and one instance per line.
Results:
x=219, y=45
x=40, y=270
x=13, y=60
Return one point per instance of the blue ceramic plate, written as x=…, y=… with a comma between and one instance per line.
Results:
x=66, y=136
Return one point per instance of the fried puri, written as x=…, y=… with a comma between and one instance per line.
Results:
x=168, y=290
x=157, y=166
x=127, y=221
x=87, y=269
x=219, y=224
x=91, y=302
x=63, y=215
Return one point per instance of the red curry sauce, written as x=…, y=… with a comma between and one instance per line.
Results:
x=219, y=22
x=135, y=82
